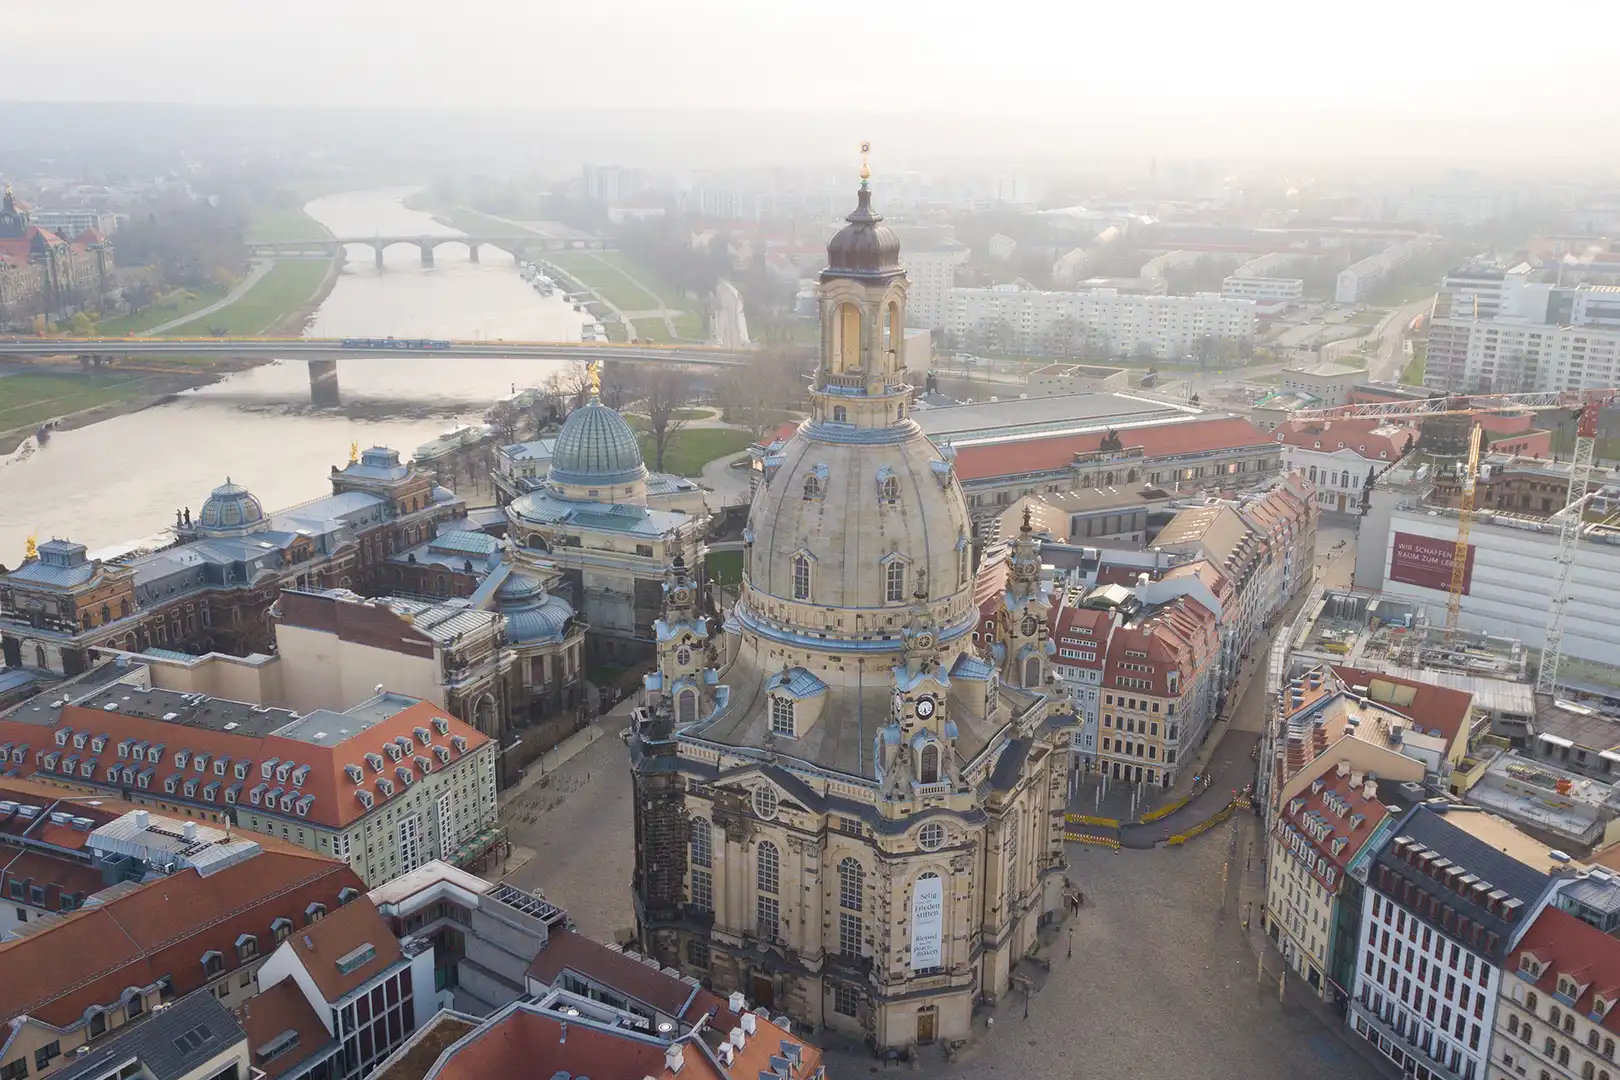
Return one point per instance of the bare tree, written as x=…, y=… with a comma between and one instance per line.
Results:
x=505, y=417
x=755, y=396
x=666, y=391
x=566, y=390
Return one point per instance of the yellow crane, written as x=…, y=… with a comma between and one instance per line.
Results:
x=1585, y=405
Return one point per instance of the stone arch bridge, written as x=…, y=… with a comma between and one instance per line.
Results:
x=519, y=247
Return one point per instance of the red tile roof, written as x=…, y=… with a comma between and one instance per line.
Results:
x=162, y=928
x=1369, y=438
x=528, y=1042
x=1322, y=801
x=1158, y=441
x=57, y=876
x=335, y=805
x=283, y=1007
x=1568, y=946
x=343, y=930
x=1430, y=707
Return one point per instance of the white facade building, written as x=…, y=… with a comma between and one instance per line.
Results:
x=1360, y=279
x=1290, y=290
x=1165, y=327
x=933, y=275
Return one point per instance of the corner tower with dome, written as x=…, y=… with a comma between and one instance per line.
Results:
x=843, y=809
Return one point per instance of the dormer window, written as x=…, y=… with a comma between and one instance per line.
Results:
x=282, y=770
x=280, y=928
x=123, y=748
x=459, y=742
x=1529, y=965
x=219, y=765
x=268, y=769
x=79, y=739
x=213, y=962
x=375, y=761
x=812, y=488
x=441, y=725
x=247, y=947
x=242, y=768
x=181, y=757
x=299, y=775
x=894, y=579
x=200, y=763
x=889, y=490
x=62, y=736
x=354, y=773
x=422, y=735
x=98, y=744
x=314, y=914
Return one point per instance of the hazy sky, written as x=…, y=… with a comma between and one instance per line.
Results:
x=1013, y=57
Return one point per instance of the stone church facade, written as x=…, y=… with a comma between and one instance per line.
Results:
x=846, y=808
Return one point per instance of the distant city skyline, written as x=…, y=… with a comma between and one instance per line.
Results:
x=1025, y=75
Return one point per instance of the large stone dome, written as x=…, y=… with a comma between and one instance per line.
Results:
x=865, y=248
x=230, y=510
x=874, y=523
x=596, y=448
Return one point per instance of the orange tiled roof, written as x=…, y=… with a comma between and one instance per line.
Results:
x=335, y=804
x=1431, y=707
x=1044, y=455
x=164, y=927
x=1568, y=946
x=319, y=947
x=283, y=1007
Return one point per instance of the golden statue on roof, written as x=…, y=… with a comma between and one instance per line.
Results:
x=31, y=545
x=594, y=371
x=354, y=452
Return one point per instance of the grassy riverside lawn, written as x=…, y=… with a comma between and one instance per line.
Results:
x=726, y=567
x=692, y=448
x=27, y=398
x=593, y=269
x=1413, y=375
x=286, y=288
x=272, y=225
x=176, y=304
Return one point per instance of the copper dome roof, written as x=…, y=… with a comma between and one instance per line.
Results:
x=865, y=248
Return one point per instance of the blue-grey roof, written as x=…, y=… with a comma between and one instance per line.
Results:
x=170, y=1043
x=667, y=484
x=1424, y=826
x=39, y=572
x=796, y=683
x=539, y=449
x=464, y=541
x=230, y=509
x=544, y=508
x=596, y=446
x=533, y=616
x=971, y=667
x=377, y=463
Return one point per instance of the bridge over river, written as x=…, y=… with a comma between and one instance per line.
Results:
x=323, y=353
x=518, y=246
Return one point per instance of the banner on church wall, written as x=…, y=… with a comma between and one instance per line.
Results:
x=927, y=923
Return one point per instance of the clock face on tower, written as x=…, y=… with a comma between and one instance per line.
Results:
x=1029, y=626
x=680, y=596
x=925, y=707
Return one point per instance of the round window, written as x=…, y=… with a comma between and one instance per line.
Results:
x=683, y=656
x=931, y=836
x=765, y=803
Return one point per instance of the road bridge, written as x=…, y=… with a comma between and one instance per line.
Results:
x=323, y=354
x=518, y=246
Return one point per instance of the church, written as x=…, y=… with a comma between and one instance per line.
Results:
x=847, y=809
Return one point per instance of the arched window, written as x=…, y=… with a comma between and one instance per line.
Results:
x=782, y=719
x=39, y=656
x=106, y=613
x=929, y=769
x=1556, y=1015
x=1569, y=1023
x=812, y=487
x=801, y=577
x=768, y=864
x=1513, y=1025
x=894, y=581
x=847, y=356
x=891, y=490
x=1032, y=670
x=1588, y=1071
x=1548, y=1048
x=1592, y=1040
x=702, y=842
x=1530, y=1002
x=1563, y=1055
x=84, y=620
x=686, y=707
x=851, y=884
x=123, y=609
x=839, y=414
x=1608, y=1048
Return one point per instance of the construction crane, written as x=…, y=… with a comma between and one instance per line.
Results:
x=1585, y=406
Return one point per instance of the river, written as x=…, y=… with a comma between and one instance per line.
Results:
x=122, y=479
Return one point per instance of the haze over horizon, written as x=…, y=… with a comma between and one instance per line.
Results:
x=932, y=83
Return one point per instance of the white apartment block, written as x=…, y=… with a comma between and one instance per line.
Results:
x=1291, y=290
x=1507, y=332
x=932, y=275
x=1164, y=327
x=1358, y=280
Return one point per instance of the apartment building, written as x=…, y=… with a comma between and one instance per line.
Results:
x=1330, y=814
x=1267, y=290
x=1555, y=1013
x=384, y=786
x=1448, y=898
x=1122, y=324
x=1358, y=281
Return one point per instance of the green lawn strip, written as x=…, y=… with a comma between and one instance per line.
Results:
x=689, y=327
x=726, y=567
x=693, y=448
x=279, y=225
x=175, y=305
x=1413, y=375
x=608, y=280
x=29, y=398
x=653, y=329
x=286, y=288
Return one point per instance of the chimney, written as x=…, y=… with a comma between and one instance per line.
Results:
x=1355, y=778
x=1343, y=769
x=143, y=820
x=1370, y=791
x=674, y=1057
x=189, y=830
x=749, y=1023
x=735, y=1001
x=738, y=1039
